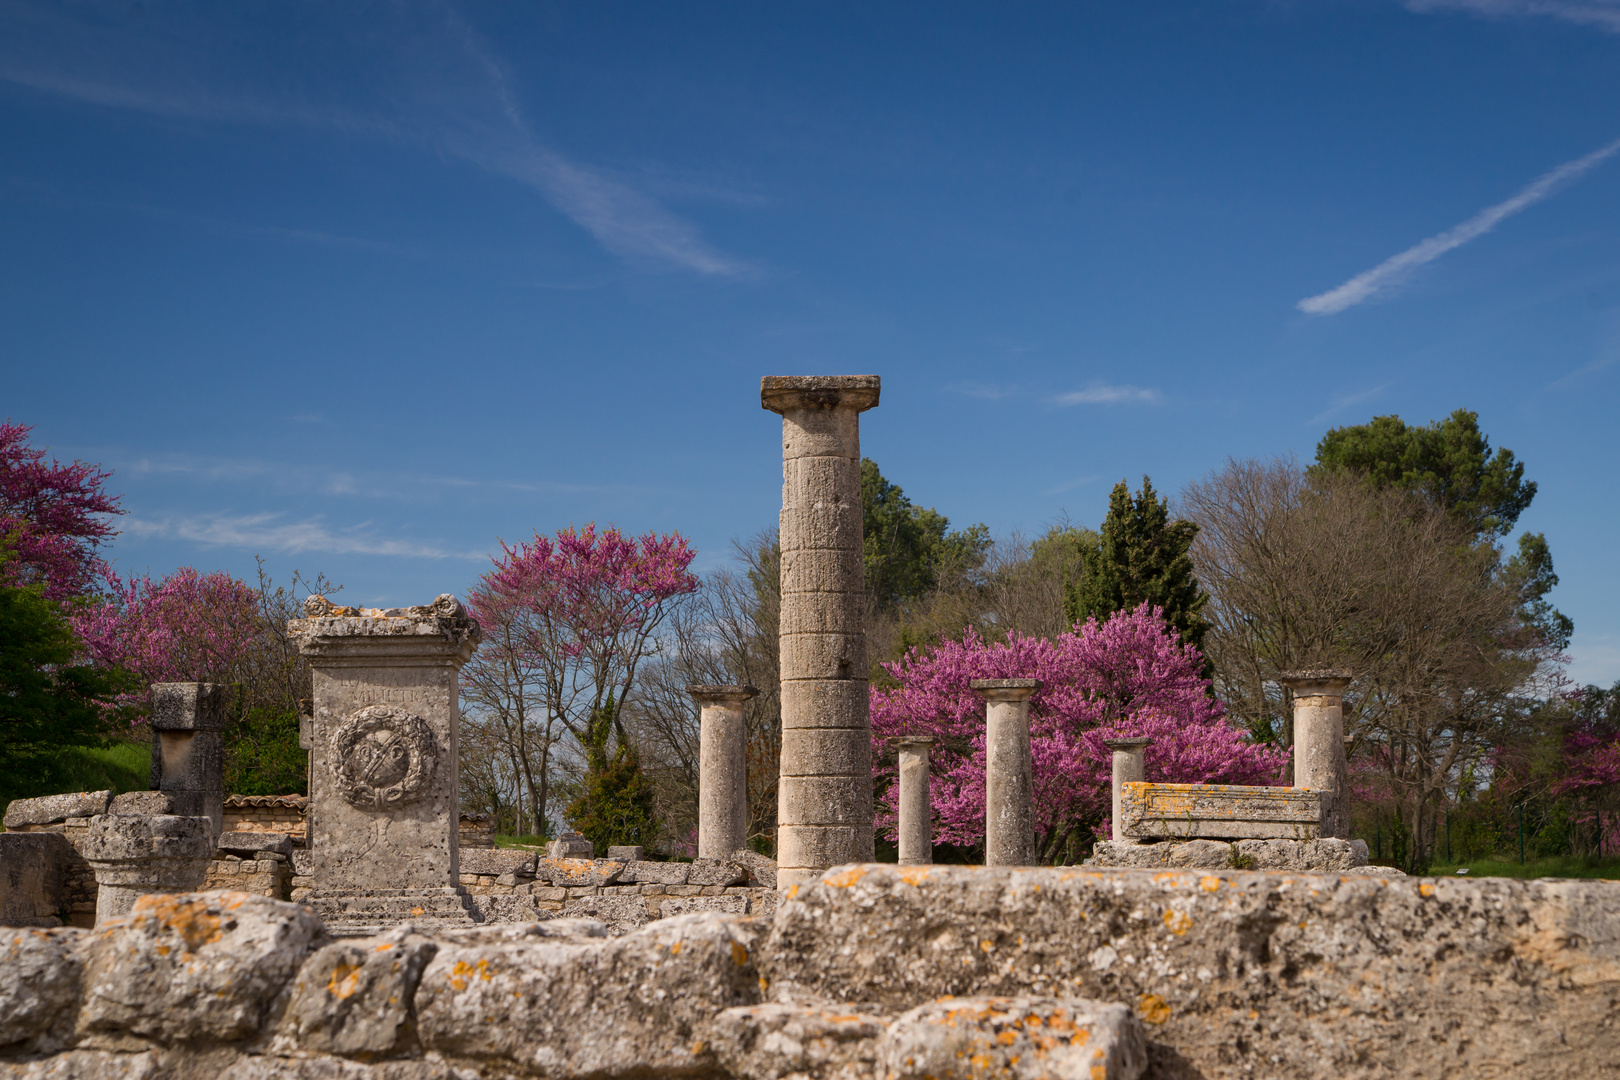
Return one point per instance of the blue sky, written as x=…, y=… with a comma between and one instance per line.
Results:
x=361, y=288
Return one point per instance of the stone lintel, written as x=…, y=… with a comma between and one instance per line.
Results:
x=189, y=706
x=1127, y=745
x=1316, y=682
x=784, y=393
x=711, y=694
x=1005, y=689
x=1219, y=811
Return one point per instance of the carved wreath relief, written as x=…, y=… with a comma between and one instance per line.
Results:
x=384, y=757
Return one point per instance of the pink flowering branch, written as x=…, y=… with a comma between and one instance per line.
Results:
x=52, y=518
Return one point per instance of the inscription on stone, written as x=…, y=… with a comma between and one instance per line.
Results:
x=384, y=757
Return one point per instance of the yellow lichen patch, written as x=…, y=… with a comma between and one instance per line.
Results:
x=193, y=922
x=1426, y=888
x=845, y=879
x=385, y=946
x=1080, y=1037
x=1152, y=1009
x=463, y=971
x=675, y=949
x=1099, y=1072
x=1177, y=922
x=764, y=984
x=739, y=955
x=793, y=891
x=914, y=875
x=987, y=945
x=1209, y=883
x=1007, y=1038
x=345, y=980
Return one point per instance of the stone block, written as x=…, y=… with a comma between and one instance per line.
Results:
x=39, y=992
x=667, y=982
x=825, y=800
x=497, y=861
x=197, y=967
x=1115, y=853
x=354, y=998
x=821, y=612
x=56, y=808
x=823, y=703
x=762, y=903
x=655, y=873
x=548, y=892
x=626, y=853
x=142, y=802
x=776, y=1041
x=761, y=870
x=1326, y=854
x=570, y=845
x=510, y=908
x=620, y=914
x=303, y=862
x=1199, y=854
x=818, y=845
x=973, y=1037
x=823, y=656
x=578, y=873
x=732, y=905
x=683, y=890
x=822, y=571
x=1219, y=811
x=828, y=752
x=715, y=872
x=33, y=873
x=250, y=844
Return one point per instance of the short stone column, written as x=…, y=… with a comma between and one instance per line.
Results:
x=188, y=747
x=137, y=855
x=1130, y=766
x=916, y=808
x=1009, y=780
x=383, y=783
x=824, y=802
x=1319, y=760
x=722, y=769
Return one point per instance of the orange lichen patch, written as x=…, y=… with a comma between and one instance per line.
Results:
x=1425, y=888
x=1099, y=1072
x=1177, y=922
x=675, y=949
x=1007, y=1038
x=1080, y=1038
x=1253, y=1015
x=739, y=955
x=193, y=922
x=1209, y=883
x=464, y=971
x=1152, y=1009
x=846, y=878
x=345, y=980
x=914, y=875
x=793, y=891
x=417, y=910
x=385, y=946
x=987, y=945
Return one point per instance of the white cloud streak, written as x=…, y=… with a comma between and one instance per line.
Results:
x=1108, y=395
x=266, y=532
x=1600, y=13
x=1393, y=270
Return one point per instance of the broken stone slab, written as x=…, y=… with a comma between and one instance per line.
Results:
x=570, y=845
x=1130, y=854
x=303, y=862
x=511, y=908
x=667, y=981
x=249, y=844
x=51, y=809
x=1060, y=1038
x=32, y=870
x=1376, y=871
x=39, y=993
x=1219, y=812
x=138, y=856
x=271, y=1067
x=646, y=872
x=774, y=1041
x=1229, y=970
x=734, y=905
x=715, y=872
x=620, y=914
x=354, y=998
x=142, y=802
x=578, y=873
x=196, y=967
x=1327, y=854
x=494, y=862
x=761, y=870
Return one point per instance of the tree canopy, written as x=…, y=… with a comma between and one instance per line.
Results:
x=907, y=546
x=53, y=517
x=1140, y=557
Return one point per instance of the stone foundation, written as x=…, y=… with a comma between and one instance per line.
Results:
x=1327, y=855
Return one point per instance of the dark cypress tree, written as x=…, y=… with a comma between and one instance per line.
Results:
x=615, y=803
x=1140, y=555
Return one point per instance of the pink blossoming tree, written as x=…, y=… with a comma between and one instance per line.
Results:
x=1129, y=676
x=53, y=517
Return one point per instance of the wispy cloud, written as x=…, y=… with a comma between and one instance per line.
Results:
x=1600, y=13
x=433, y=82
x=1102, y=394
x=269, y=532
x=1344, y=401
x=1393, y=270
x=1070, y=485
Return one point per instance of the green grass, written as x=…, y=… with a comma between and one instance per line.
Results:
x=122, y=766
x=1568, y=866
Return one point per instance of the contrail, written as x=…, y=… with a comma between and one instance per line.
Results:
x=1392, y=269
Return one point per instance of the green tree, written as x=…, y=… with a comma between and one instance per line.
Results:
x=1450, y=460
x=48, y=701
x=262, y=755
x=615, y=803
x=907, y=546
x=1139, y=556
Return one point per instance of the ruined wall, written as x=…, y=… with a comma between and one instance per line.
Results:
x=867, y=972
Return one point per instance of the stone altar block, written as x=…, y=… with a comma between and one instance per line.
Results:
x=383, y=810
x=1219, y=812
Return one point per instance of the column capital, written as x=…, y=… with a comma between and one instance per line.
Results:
x=1313, y=682
x=784, y=393
x=911, y=740
x=710, y=694
x=189, y=706
x=441, y=629
x=1005, y=689
x=1128, y=745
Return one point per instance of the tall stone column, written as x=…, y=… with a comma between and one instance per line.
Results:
x=188, y=747
x=722, y=769
x=383, y=787
x=1130, y=767
x=1319, y=761
x=1009, y=781
x=824, y=803
x=916, y=808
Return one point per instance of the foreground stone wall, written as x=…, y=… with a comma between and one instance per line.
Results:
x=867, y=973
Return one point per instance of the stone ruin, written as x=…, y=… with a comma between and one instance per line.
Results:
x=1238, y=933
